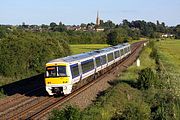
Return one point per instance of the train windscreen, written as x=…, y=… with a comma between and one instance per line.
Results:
x=56, y=71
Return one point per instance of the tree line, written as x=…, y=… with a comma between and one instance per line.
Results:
x=25, y=49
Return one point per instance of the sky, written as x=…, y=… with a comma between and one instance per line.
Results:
x=72, y=12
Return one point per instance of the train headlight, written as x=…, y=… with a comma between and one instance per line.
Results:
x=64, y=87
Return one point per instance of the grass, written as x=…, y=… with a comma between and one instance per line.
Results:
x=145, y=61
x=169, y=51
x=2, y=94
x=6, y=80
x=81, y=48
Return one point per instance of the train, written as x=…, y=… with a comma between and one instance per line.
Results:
x=64, y=73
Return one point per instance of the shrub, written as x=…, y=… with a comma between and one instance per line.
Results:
x=151, y=44
x=145, y=78
x=132, y=111
x=68, y=113
x=163, y=106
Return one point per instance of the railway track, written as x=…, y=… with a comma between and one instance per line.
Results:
x=19, y=102
x=18, y=98
x=43, y=105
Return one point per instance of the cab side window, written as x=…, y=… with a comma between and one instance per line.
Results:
x=74, y=70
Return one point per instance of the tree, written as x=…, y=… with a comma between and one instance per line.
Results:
x=83, y=25
x=161, y=27
x=53, y=25
x=3, y=32
x=126, y=23
x=177, y=32
x=26, y=53
x=109, y=25
x=44, y=26
x=60, y=28
x=112, y=38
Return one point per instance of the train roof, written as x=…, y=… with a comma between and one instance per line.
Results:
x=77, y=57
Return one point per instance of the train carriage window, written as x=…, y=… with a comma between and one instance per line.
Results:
x=103, y=59
x=110, y=57
x=116, y=53
x=122, y=53
x=74, y=70
x=98, y=62
x=87, y=65
x=125, y=50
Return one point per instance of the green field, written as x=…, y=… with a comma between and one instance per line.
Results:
x=169, y=51
x=80, y=48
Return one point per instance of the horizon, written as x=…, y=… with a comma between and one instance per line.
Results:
x=77, y=12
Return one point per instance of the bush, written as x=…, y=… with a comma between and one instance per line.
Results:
x=145, y=78
x=154, y=54
x=68, y=113
x=151, y=44
x=132, y=112
x=163, y=106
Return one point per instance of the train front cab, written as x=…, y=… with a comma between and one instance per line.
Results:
x=57, y=79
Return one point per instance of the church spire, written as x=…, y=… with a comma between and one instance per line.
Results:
x=97, y=19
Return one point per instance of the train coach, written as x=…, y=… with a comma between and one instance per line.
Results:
x=63, y=73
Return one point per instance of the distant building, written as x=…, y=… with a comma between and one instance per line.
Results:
x=87, y=27
x=97, y=19
x=167, y=35
x=97, y=28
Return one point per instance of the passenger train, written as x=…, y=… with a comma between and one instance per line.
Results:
x=63, y=73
